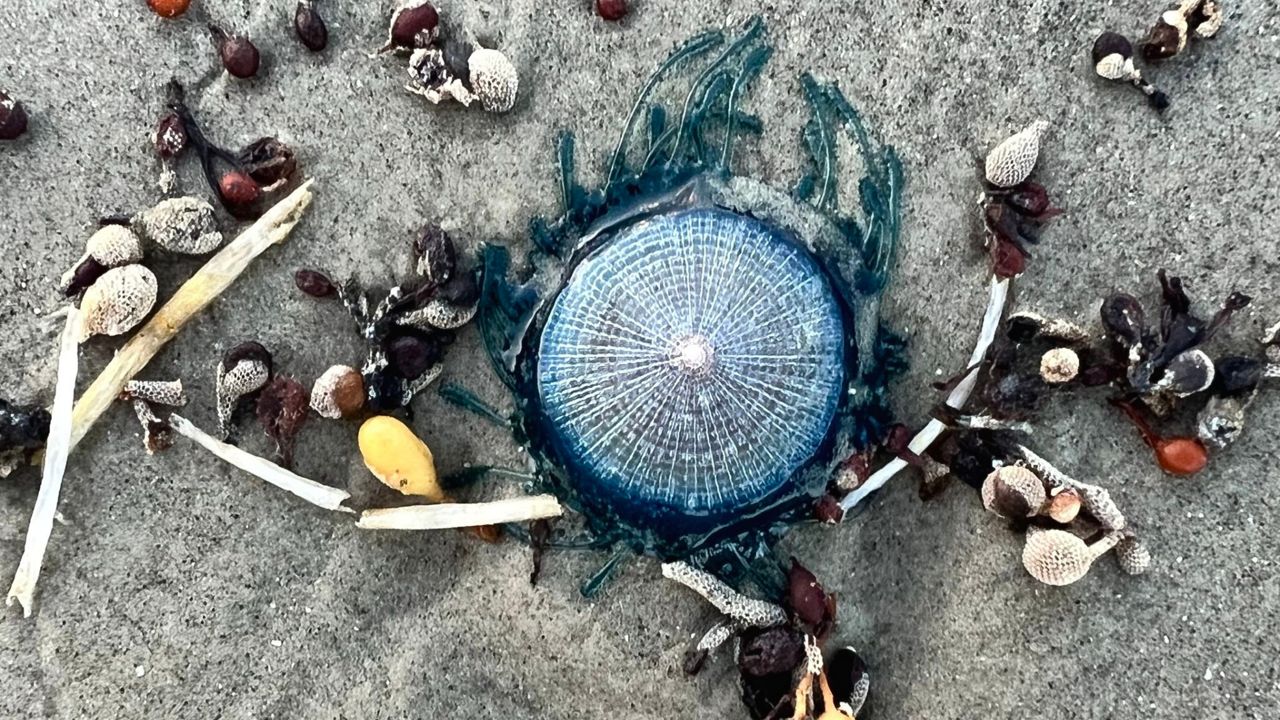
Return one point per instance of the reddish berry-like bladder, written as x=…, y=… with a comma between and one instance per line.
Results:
x=238, y=54
x=238, y=190
x=169, y=8
x=611, y=10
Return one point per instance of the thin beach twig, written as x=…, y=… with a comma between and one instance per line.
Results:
x=325, y=496
x=442, y=516
x=999, y=295
x=57, y=448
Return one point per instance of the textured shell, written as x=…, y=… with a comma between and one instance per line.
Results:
x=1212, y=11
x=493, y=79
x=1221, y=420
x=234, y=383
x=1012, y=482
x=113, y=246
x=1133, y=556
x=439, y=314
x=1056, y=557
x=692, y=364
x=1059, y=365
x=116, y=302
x=1012, y=161
x=338, y=392
x=182, y=225
x=162, y=392
x=1114, y=67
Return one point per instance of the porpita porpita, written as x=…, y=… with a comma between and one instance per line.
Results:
x=676, y=375
x=689, y=349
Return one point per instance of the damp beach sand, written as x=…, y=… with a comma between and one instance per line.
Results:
x=179, y=585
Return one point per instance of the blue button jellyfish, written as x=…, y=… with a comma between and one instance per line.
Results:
x=690, y=349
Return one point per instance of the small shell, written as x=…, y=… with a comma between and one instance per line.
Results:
x=1059, y=365
x=1097, y=502
x=118, y=301
x=850, y=680
x=157, y=435
x=245, y=368
x=338, y=393
x=1114, y=67
x=1124, y=319
x=1113, y=56
x=1166, y=38
x=1209, y=17
x=161, y=392
x=493, y=79
x=398, y=458
x=182, y=225
x=111, y=246
x=431, y=78
x=413, y=25
x=439, y=314
x=1013, y=491
x=1012, y=161
x=1187, y=374
x=1133, y=556
x=1056, y=557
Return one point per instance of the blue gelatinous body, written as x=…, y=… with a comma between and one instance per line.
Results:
x=691, y=365
x=690, y=350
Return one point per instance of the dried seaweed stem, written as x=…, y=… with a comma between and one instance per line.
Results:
x=57, y=448
x=959, y=396
x=458, y=515
x=325, y=496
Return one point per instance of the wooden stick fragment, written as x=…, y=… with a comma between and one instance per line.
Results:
x=325, y=496
x=457, y=515
x=195, y=295
x=57, y=448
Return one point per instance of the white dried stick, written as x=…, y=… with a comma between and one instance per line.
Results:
x=57, y=448
x=195, y=295
x=442, y=516
x=958, y=397
x=325, y=496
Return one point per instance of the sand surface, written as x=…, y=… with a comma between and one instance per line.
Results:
x=181, y=588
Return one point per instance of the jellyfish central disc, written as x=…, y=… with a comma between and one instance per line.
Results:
x=693, y=355
x=691, y=365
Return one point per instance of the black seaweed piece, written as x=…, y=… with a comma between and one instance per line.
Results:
x=22, y=427
x=767, y=661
